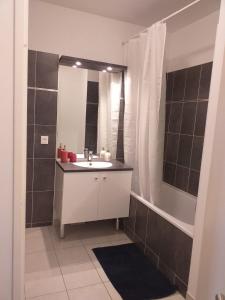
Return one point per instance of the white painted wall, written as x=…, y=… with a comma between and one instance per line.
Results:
x=66, y=31
x=72, y=100
x=13, y=50
x=193, y=44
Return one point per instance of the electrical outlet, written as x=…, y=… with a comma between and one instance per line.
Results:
x=44, y=140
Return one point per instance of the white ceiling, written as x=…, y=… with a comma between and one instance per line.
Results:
x=143, y=12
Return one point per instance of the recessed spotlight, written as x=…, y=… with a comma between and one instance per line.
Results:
x=74, y=66
x=109, y=68
x=104, y=71
x=78, y=63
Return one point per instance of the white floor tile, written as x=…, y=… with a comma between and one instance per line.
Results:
x=57, y=296
x=71, y=238
x=94, y=292
x=38, y=240
x=77, y=268
x=112, y=291
x=42, y=274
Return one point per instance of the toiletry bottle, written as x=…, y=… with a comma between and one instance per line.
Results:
x=59, y=151
x=107, y=156
x=102, y=153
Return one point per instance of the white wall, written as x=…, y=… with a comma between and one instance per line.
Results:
x=193, y=44
x=66, y=31
x=14, y=16
x=72, y=101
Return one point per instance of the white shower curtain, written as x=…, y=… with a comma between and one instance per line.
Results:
x=145, y=111
x=108, y=111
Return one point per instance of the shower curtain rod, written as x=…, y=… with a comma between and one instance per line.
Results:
x=165, y=19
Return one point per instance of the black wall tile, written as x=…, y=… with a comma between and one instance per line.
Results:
x=28, y=207
x=169, y=173
x=201, y=118
x=188, y=118
x=179, y=85
x=169, y=87
x=45, y=151
x=141, y=221
x=121, y=114
x=172, y=147
x=120, y=145
x=44, y=173
x=175, y=117
x=92, y=92
x=92, y=114
x=32, y=68
x=30, y=141
x=193, y=182
x=46, y=108
x=205, y=81
x=184, y=154
x=29, y=174
x=47, y=70
x=197, y=148
x=168, y=110
x=91, y=138
x=132, y=214
x=192, y=83
x=42, y=206
x=30, y=106
x=181, y=178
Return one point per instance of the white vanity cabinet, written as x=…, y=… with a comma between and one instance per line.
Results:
x=90, y=196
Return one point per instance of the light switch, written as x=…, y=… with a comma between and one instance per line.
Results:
x=44, y=140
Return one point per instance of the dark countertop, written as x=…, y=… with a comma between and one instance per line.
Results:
x=116, y=166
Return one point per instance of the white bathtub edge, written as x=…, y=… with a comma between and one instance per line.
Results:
x=186, y=228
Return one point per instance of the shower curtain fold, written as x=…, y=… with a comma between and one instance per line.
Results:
x=145, y=110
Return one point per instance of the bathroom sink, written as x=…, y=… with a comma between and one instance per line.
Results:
x=94, y=164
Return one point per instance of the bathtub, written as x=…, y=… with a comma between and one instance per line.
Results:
x=175, y=206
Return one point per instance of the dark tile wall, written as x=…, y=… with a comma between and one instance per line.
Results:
x=41, y=121
x=168, y=248
x=92, y=116
x=186, y=110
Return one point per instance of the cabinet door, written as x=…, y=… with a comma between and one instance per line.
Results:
x=114, y=197
x=80, y=197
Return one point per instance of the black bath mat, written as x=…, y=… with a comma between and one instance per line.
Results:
x=131, y=273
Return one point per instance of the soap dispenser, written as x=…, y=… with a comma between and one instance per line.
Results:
x=107, y=155
x=102, y=153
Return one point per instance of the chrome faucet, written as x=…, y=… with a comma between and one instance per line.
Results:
x=90, y=156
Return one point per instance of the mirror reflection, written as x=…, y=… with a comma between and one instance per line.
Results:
x=88, y=108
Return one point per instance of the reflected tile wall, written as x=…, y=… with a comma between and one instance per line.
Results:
x=186, y=110
x=41, y=121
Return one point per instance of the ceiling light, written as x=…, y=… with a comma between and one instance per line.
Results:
x=104, y=71
x=109, y=68
x=78, y=63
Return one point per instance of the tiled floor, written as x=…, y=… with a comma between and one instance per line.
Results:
x=67, y=269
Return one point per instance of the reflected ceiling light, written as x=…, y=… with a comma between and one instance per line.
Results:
x=104, y=71
x=78, y=63
x=74, y=66
x=109, y=68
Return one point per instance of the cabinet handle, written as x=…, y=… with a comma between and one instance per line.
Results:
x=104, y=178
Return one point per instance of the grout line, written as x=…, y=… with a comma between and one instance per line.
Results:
x=41, y=89
x=182, y=109
x=192, y=146
x=35, y=79
x=187, y=101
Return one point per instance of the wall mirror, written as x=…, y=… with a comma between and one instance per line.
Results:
x=89, y=99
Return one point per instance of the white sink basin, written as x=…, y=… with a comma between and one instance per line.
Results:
x=81, y=155
x=94, y=164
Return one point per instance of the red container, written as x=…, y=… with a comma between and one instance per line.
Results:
x=59, y=152
x=64, y=156
x=73, y=157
